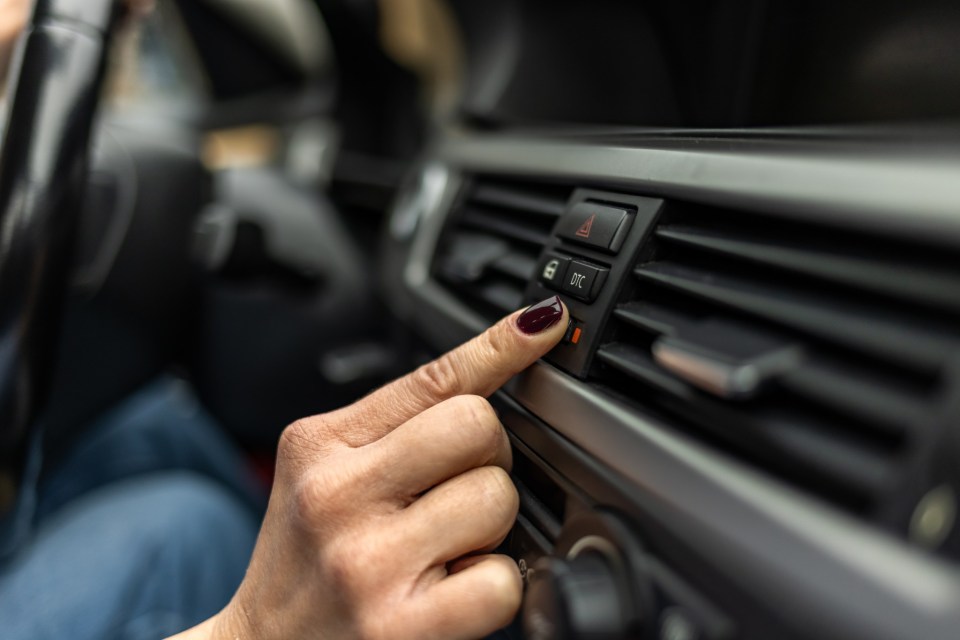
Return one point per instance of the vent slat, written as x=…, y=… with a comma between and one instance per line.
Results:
x=893, y=278
x=501, y=296
x=516, y=265
x=505, y=228
x=880, y=404
x=650, y=317
x=838, y=321
x=783, y=440
x=851, y=391
x=518, y=201
x=641, y=367
x=867, y=319
x=488, y=255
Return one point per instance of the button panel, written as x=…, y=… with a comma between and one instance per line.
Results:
x=589, y=273
x=596, y=225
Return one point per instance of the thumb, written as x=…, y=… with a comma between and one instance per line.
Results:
x=478, y=367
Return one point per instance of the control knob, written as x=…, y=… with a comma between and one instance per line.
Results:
x=575, y=599
x=595, y=588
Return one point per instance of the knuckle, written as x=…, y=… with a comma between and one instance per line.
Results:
x=291, y=440
x=491, y=438
x=437, y=379
x=498, y=343
x=359, y=561
x=292, y=455
x=498, y=491
x=313, y=497
x=480, y=410
x=337, y=490
x=475, y=414
x=301, y=439
x=341, y=564
x=327, y=494
x=341, y=560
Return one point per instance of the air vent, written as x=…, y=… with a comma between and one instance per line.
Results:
x=815, y=353
x=497, y=230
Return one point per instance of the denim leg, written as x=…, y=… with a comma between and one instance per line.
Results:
x=159, y=428
x=138, y=559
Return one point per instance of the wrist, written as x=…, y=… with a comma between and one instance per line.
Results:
x=222, y=626
x=206, y=630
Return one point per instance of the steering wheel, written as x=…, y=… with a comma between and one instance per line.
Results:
x=55, y=85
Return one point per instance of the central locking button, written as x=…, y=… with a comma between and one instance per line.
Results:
x=583, y=280
x=552, y=270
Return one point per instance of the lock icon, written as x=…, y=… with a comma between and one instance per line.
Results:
x=550, y=269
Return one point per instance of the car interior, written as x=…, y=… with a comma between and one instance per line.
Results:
x=752, y=211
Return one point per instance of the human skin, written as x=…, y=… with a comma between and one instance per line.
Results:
x=13, y=17
x=15, y=13
x=383, y=514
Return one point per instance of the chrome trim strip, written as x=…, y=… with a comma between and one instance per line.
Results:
x=773, y=539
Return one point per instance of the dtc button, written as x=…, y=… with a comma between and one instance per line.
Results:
x=584, y=280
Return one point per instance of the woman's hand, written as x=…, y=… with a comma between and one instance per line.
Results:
x=384, y=513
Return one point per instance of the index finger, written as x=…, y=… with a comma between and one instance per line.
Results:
x=477, y=367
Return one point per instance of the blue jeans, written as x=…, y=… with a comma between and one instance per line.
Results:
x=143, y=531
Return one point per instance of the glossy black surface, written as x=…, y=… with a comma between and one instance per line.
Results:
x=42, y=173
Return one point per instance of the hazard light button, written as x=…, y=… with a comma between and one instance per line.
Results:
x=600, y=226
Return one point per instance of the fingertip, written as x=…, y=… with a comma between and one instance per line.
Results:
x=502, y=585
x=513, y=582
x=540, y=318
x=502, y=573
x=505, y=585
x=482, y=596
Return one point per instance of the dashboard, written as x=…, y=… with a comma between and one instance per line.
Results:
x=750, y=428
x=756, y=423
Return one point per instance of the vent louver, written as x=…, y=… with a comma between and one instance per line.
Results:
x=817, y=354
x=498, y=228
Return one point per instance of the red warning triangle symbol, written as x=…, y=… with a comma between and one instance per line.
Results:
x=584, y=230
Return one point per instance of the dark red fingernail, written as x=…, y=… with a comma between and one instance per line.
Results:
x=541, y=316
